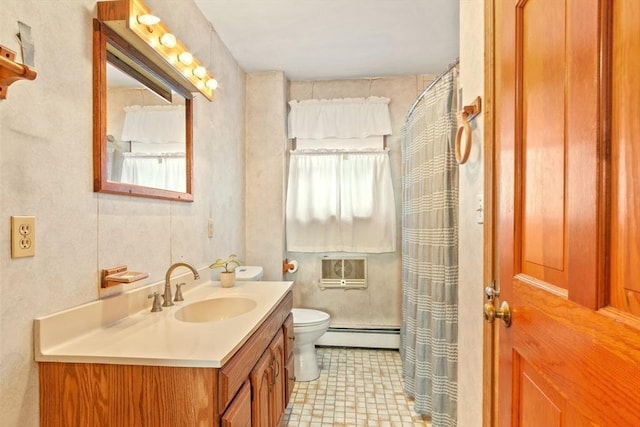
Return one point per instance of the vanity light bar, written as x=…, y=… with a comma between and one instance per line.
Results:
x=148, y=19
x=212, y=84
x=168, y=40
x=200, y=72
x=185, y=58
x=158, y=37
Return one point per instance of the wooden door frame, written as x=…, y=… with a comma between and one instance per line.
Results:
x=490, y=337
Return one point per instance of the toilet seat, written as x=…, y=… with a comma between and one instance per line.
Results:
x=304, y=317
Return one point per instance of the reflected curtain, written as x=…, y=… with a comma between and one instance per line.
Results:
x=166, y=171
x=154, y=124
x=429, y=329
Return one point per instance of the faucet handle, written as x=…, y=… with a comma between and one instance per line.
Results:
x=178, y=296
x=157, y=305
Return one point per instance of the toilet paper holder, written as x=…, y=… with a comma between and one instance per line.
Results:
x=289, y=266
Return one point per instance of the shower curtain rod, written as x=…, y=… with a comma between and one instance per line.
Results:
x=433, y=82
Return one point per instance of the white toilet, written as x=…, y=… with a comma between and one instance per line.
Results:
x=308, y=326
x=245, y=273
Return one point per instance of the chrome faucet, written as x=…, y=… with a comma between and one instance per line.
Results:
x=167, y=281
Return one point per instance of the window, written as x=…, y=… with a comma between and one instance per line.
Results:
x=340, y=193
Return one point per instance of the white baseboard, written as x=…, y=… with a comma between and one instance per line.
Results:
x=374, y=338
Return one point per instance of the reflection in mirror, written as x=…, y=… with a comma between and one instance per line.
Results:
x=142, y=129
x=145, y=134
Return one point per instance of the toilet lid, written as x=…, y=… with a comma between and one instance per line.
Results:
x=305, y=316
x=248, y=273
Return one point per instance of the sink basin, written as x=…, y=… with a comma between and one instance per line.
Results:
x=215, y=309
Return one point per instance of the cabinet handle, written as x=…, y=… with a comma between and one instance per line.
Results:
x=274, y=366
x=277, y=370
x=272, y=381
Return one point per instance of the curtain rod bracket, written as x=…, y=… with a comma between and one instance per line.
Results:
x=433, y=82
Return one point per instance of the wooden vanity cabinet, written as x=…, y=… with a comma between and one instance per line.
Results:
x=93, y=394
x=267, y=383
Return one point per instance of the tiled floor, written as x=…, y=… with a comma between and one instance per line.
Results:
x=356, y=387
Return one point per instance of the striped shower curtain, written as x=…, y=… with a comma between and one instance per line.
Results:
x=430, y=255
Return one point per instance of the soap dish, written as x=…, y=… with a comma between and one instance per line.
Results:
x=119, y=275
x=127, y=277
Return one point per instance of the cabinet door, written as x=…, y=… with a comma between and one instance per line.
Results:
x=289, y=337
x=290, y=380
x=260, y=387
x=289, y=370
x=278, y=381
x=238, y=414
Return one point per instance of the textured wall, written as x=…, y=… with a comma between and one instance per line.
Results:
x=46, y=171
x=380, y=304
x=471, y=233
x=266, y=141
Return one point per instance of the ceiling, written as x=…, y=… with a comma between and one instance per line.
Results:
x=338, y=39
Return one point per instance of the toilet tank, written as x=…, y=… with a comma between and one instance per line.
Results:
x=248, y=272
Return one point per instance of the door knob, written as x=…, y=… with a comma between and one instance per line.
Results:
x=504, y=313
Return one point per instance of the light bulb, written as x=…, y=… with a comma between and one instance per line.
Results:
x=212, y=84
x=168, y=40
x=147, y=19
x=200, y=71
x=186, y=58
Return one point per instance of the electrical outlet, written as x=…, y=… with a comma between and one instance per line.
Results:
x=480, y=208
x=23, y=236
x=210, y=228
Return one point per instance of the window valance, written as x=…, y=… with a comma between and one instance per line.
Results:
x=156, y=124
x=339, y=118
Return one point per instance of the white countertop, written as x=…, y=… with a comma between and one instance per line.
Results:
x=88, y=334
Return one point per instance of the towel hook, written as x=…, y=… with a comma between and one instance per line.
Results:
x=468, y=113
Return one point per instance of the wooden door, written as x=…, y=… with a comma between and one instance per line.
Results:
x=566, y=237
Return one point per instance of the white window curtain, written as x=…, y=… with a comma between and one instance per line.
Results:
x=340, y=194
x=340, y=202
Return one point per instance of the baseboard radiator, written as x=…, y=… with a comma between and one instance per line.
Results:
x=388, y=338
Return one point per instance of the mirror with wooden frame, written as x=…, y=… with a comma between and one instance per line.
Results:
x=143, y=123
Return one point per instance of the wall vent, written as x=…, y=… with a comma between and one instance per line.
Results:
x=344, y=273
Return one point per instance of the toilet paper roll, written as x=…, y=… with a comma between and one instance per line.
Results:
x=293, y=266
